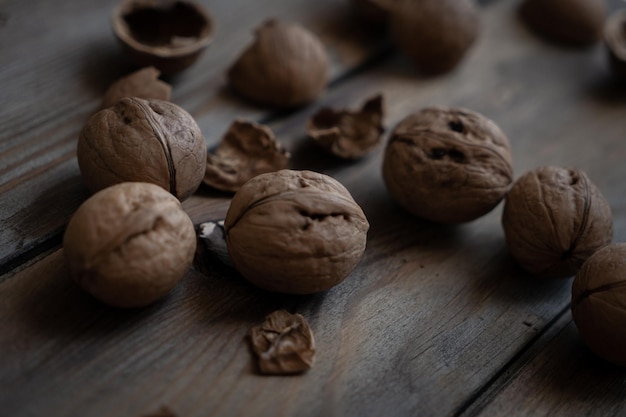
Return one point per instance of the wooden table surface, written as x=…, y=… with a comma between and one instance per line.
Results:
x=435, y=320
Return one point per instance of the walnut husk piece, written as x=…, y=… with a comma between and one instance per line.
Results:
x=599, y=303
x=283, y=343
x=248, y=149
x=297, y=232
x=143, y=83
x=129, y=244
x=555, y=218
x=615, y=41
x=349, y=134
x=447, y=165
x=144, y=141
x=286, y=66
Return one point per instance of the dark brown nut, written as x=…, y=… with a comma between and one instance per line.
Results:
x=247, y=150
x=284, y=344
x=435, y=34
x=145, y=141
x=167, y=34
x=615, y=41
x=373, y=12
x=295, y=232
x=144, y=84
x=599, y=303
x=554, y=219
x=447, y=165
x=129, y=244
x=349, y=134
x=570, y=22
x=286, y=66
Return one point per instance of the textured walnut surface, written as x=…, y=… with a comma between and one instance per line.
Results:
x=283, y=343
x=129, y=244
x=146, y=141
x=599, y=303
x=447, y=165
x=554, y=219
x=295, y=231
x=143, y=83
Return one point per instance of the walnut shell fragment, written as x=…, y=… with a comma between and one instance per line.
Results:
x=554, y=219
x=349, y=134
x=247, y=150
x=143, y=83
x=284, y=344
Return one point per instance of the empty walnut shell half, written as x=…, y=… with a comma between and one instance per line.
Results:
x=447, y=165
x=349, y=134
x=167, y=34
x=295, y=232
x=286, y=66
x=615, y=41
x=143, y=83
x=144, y=141
x=599, y=303
x=247, y=150
x=554, y=219
x=571, y=22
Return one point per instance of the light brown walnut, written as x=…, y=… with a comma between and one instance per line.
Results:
x=143, y=83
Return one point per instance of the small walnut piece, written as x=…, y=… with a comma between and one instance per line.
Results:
x=554, y=219
x=571, y=22
x=435, y=34
x=144, y=84
x=295, y=232
x=599, y=303
x=129, y=244
x=284, y=344
x=447, y=165
x=247, y=150
x=615, y=41
x=346, y=133
x=145, y=141
x=286, y=66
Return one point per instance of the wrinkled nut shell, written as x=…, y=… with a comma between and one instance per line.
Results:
x=286, y=66
x=295, y=232
x=144, y=141
x=129, y=245
x=615, y=41
x=554, y=219
x=573, y=22
x=144, y=84
x=599, y=303
x=447, y=165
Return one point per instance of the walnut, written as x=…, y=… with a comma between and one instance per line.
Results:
x=286, y=66
x=554, y=219
x=146, y=141
x=247, y=150
x=615, y=41
x=167, y=34
x=435, y=34
x=571, y=22
x=129, y=244
x=447, y=165
x=144, y=84
x=349, y=134
x=295, y=232
x=284, y=344
x=599, y=303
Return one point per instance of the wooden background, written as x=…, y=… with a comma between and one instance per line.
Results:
x=435, y=321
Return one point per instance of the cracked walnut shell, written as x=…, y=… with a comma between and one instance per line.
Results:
x=295, y=232
x=447, y=165
x=554, y=219
x=144, y=84
x=129, y=244
x=145, y=141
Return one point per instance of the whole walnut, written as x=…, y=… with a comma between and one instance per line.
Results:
x=447, y=165
x=145, y=141
x=599, y=303
x=286, y=66
x=554, y=219
x=435, y=34
x=129, y=244
x=572, y=22
x=295, y=232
